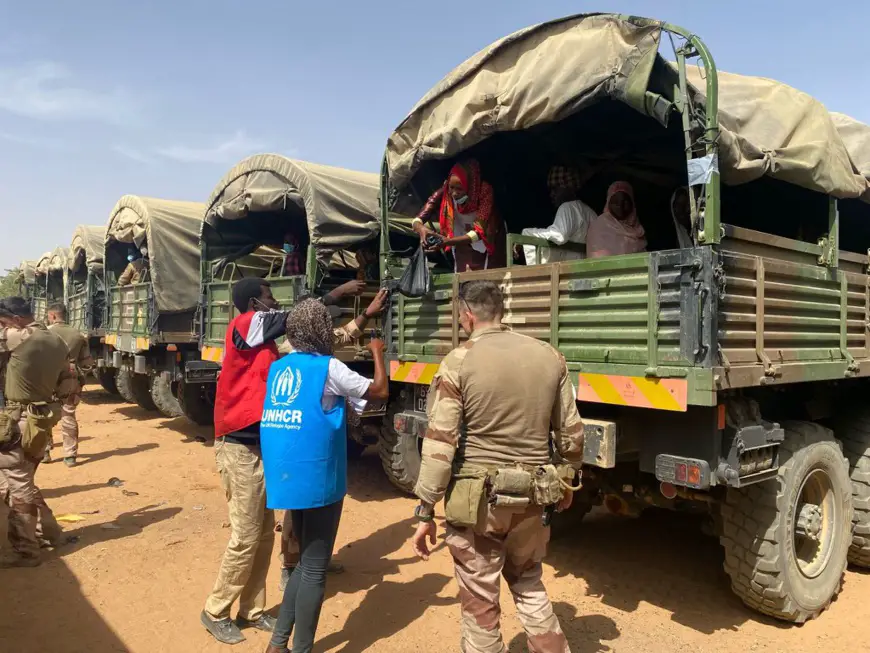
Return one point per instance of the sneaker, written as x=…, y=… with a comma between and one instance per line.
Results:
x=70, y=461
x=265, y=623
x=223, y=630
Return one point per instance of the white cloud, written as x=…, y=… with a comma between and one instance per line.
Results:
x=47, y=90
x=228, y=150
x=132, y=153
x=33, y=141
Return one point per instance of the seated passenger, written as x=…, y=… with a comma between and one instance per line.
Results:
x=470, y=224
x=682, y=216
x=367, y=264
x=572, y=221
x=137, y=265
x=292, y=256
x=617, y=230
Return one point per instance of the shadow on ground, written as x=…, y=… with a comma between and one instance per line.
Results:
x=61, y=619
x=661, y=558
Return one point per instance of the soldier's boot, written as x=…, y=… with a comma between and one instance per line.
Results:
x=22, y=538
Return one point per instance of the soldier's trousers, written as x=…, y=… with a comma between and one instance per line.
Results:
x=511, y=542
x=29, y=518
x=69, y=428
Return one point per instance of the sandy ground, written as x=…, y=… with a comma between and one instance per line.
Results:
x=649, y=584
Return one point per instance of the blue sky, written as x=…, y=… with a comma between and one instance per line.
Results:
x=102, y=98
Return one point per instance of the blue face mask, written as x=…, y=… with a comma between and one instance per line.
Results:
x=289, y=249
x=131, y=258
x=461, y=200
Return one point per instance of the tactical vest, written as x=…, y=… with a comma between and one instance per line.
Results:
x=304, y=449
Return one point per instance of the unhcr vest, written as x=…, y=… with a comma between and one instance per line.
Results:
x=304, y=449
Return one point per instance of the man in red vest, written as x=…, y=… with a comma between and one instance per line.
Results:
x=249, y=350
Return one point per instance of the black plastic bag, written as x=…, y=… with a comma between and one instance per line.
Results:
x=415, y=281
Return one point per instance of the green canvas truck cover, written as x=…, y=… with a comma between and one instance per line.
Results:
x=550, y=71
x=27, y=271
x=87, y=246
x=340, y=206
x=171, y=230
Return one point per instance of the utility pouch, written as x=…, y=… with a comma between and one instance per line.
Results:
x=512, y=481
x=39, y=419
x=548, y=487
x=464, y=499
x=8, y=429
x=509, y=501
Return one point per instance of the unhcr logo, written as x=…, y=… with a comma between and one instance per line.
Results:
x=286, y=387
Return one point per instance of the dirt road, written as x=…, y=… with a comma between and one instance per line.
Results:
x=146, y=553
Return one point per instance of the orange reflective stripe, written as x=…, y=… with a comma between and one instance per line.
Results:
x=638, y=391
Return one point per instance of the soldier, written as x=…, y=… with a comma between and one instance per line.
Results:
x=493, y=404
x=35, y=364
x=80, y=362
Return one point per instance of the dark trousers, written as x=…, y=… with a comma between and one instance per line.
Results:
x=300, y=610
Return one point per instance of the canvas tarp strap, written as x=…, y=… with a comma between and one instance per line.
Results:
x=339, y=206
x=171, y=230
x=88, y=244
x=547, y=72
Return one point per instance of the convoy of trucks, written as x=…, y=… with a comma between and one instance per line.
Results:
x=725, y=377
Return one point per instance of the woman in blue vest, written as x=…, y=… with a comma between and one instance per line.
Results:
x=304, y=447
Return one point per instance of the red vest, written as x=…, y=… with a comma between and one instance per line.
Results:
x=241, y=387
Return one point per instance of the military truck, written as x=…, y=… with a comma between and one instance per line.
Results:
x=86, y=294
x=150, y=327
x=332, y=214
x=51, y=278
x=25, y=278
x=729, y=376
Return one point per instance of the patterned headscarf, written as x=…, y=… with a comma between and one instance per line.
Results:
x=309, y=328
x=480, y=201
x=564, y=177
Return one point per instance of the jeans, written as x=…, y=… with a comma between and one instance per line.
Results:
x=300, y=610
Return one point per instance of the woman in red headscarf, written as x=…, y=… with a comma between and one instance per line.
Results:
x=469, y=223
x=617, y=230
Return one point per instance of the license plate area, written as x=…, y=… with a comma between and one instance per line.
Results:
x=421, y=396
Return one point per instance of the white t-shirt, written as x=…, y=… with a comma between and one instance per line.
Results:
x=570, y=226
x=341, y=381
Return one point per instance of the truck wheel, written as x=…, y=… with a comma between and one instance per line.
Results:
x=123, y=382
x=161, y=395
x=786, y=540
x=196, y=401
x=140, y=384
x=854, y=433
x=106, y=377
x=400, y=454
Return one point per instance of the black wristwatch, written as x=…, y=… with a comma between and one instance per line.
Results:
x=424, y=513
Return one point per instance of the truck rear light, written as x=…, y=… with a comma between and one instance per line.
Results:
x=689, y=472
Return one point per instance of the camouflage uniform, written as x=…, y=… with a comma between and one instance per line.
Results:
x=507, y=391
x=344, y=335
x=35, y=367
x=80, y=360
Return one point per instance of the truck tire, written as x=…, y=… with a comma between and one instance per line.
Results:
x=140, y=384
x=106, y=377
x=854, y=433
x=786, y=539
x=123, y=382
x=196, y=401
x=399, y=453
x=161, y=395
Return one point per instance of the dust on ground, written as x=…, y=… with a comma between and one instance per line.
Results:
x=146, y=554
